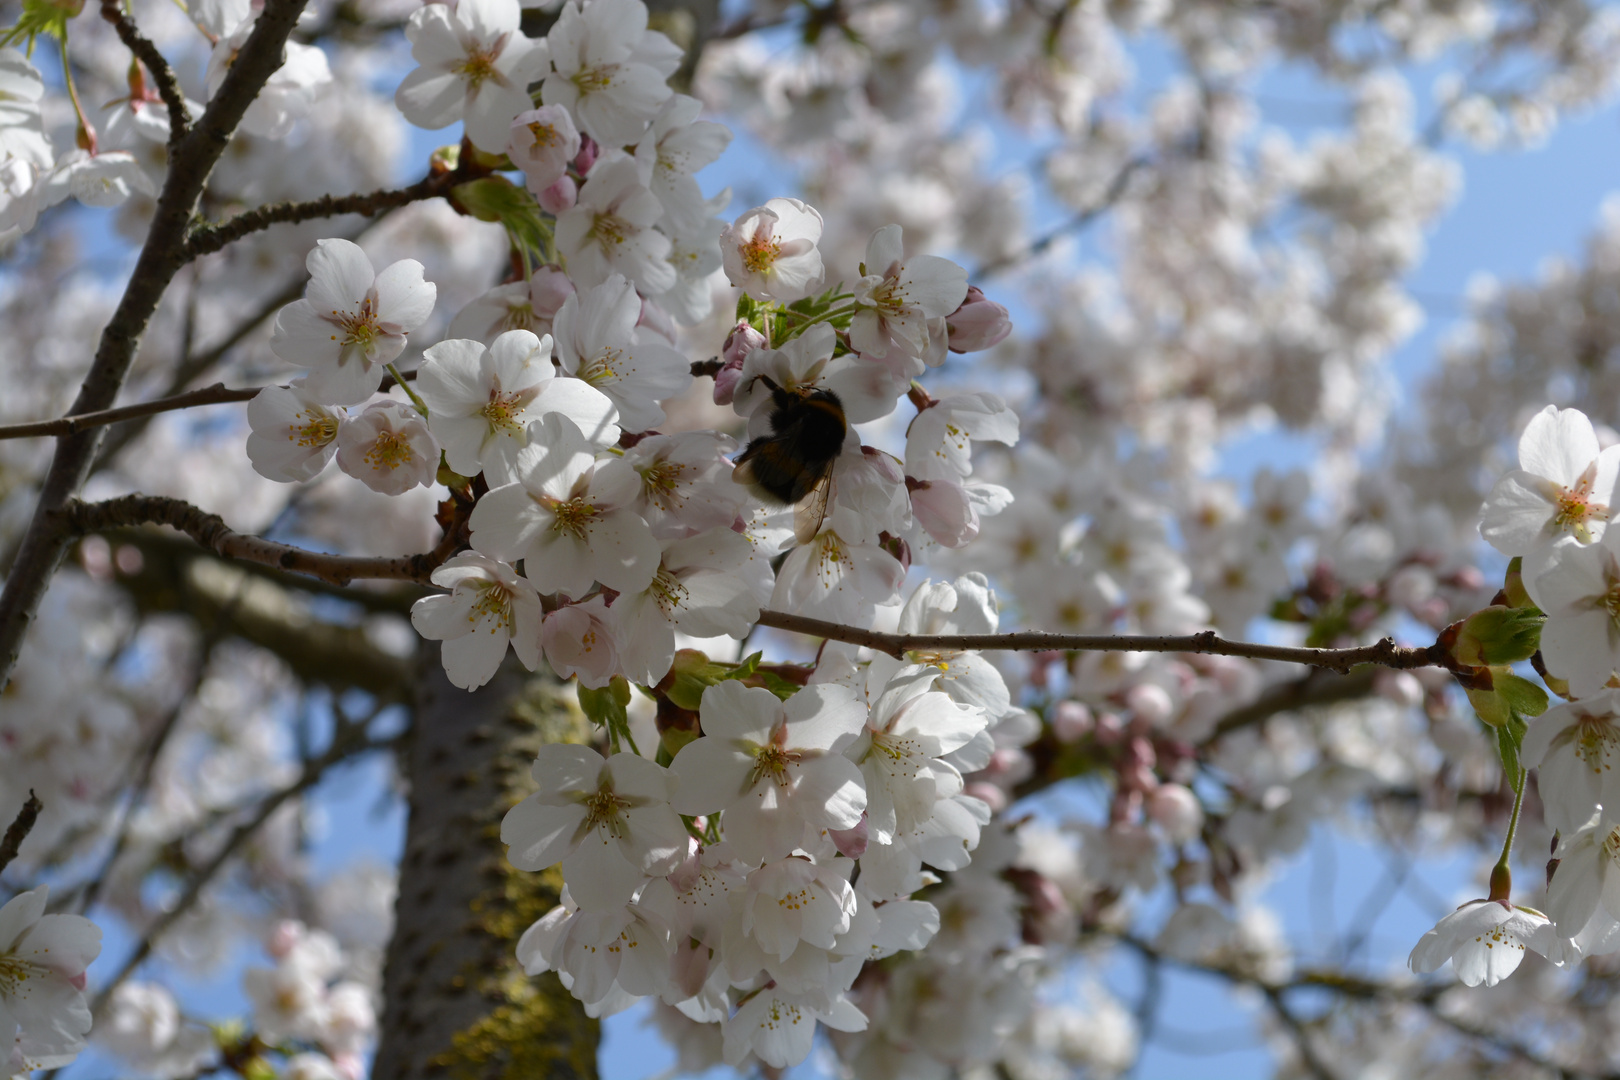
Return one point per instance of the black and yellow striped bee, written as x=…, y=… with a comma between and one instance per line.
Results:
x=793, y=464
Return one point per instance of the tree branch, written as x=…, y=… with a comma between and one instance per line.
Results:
x=72, y=425
x=191, y=161
x=167, y=86
x=207, y=239
x=1384, y=653
x=210, y=530
x=347, y=743
x=19, y=830
x=1111, y=195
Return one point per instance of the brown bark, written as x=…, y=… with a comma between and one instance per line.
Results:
x=457, y=1003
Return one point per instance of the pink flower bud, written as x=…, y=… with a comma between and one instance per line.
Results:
x=549, y=290
x=686, y=875
x=559, y=197
x=284, y=937
x=989, y=794
x=1150, y=704
x=977, y=324
x=588, y=153
x=1071, y=721
x=1110, y=728
x=851, y=842
x=1175, y=809
x=742, y=340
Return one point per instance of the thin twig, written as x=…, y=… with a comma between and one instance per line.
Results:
x=210, y=530
x=217, y=394
x=19, y=829
x=1111, y=195
x=1384, y=653
x=168, y=86
x=206, y=239
x=191, y=162
x=340, y=750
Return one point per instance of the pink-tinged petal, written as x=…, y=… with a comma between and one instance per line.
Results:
x=440, y=617
x=824, y=716
x=21, y=912
x=431, y=99
x=1582, y=649
x=1558, y=444
x=541, y=836
x=639, y=778
x=592, y=411
x=1575, y=890
x=518, y=360
x=340, y=276
x=657, y=841
x=489, y=115
x=1517, y=511
x=1574, y=576
x=563, y=769
x=527, y=621
x=830, y=792
x=489, y=19
x=537, y=946
x=710, y=775
x=885, y=250
x=733, y=711
x=1543, y=731
x=66, y=944
x=624, y=555
x=471, y=660
x=598, y=874
x=404, y=298
x=303, y=337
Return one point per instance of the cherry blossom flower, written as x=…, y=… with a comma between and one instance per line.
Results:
x=290, y=94
x=1580, y=592
x=685, y=482
x=475, y=66
x=778, y=1027
x=388, y=447
x=293, y=435
x=939, y=443
x=677, y=145
x=772, y=766
x=834, y=579
x=42, y=977
x=622, y=951
x=543, y=143
x=610, y=230
x=351, y=321
x=580, y=640
x=481, y=401
x=608, y=822
x=901, y=304
x=1588, y=876
x=770, y=252
x=1485, y=941
x=1564, y=486
x=978, y=324
x=519, y=305
x=597, y=342
x=1576, y=746
x=489, y=604
x=706, y=585
x=566, y=518
x=610, y=69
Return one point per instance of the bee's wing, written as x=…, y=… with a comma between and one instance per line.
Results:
x=811, y=511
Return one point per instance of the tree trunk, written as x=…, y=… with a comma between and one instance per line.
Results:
x=458, y=1006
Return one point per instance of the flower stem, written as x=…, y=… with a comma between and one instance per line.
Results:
x=1501, y=874
x=421, y=406
x=87, y=133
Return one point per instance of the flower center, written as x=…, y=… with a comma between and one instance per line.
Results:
x=760, y=253
x=1595, y=743
x=520, y=317
x=360, y=328
x=1575, y=509
x=1611, y=844
x=502, y=411
x=773, y=761
x=318, y=429
x=659, y=482
x=605, y=810
x=13, y=974
x=479, y=66
x=609, y=230
x=596, y=79
x=494, y=602
x=390, y=451
x=545, y=135
x=603, y=367
x=573, y=516
x=669, y=592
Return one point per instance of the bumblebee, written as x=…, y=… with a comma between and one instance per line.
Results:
x=792, y=466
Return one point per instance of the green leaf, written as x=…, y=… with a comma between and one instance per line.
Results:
x=495, y=198
x=1523, y=697
x=42, y=17
x=606, y=707
x=1509, y=737
x=1499, y=635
